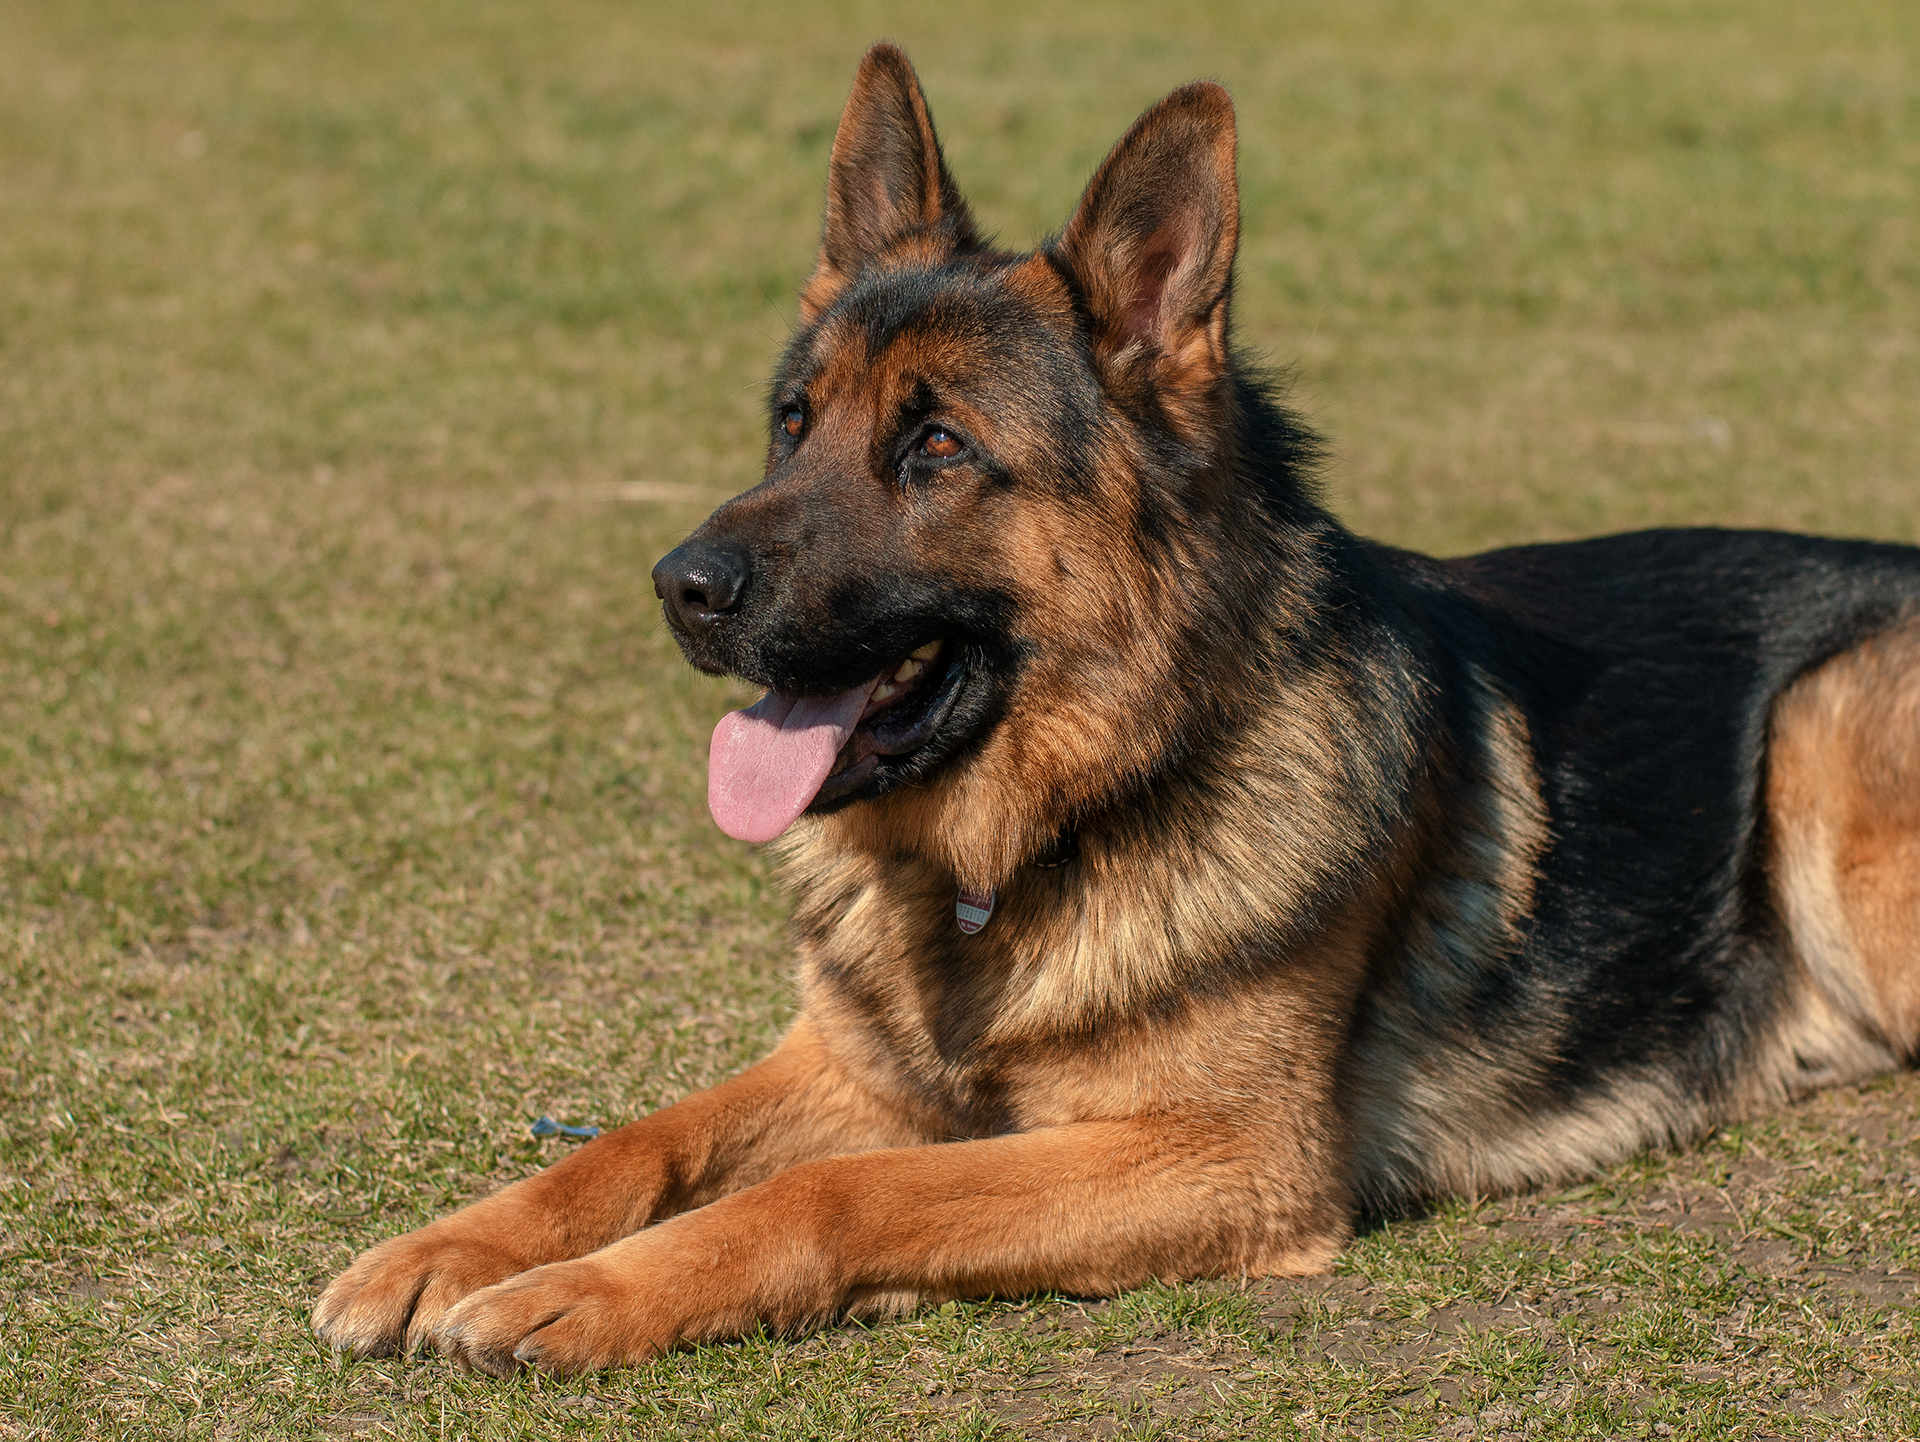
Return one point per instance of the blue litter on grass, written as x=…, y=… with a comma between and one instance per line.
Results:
x=548, y=1127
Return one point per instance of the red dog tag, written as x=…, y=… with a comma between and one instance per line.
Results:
x=973, y=909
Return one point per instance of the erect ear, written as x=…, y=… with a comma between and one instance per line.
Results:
x=886, y=180
x=1151, y=244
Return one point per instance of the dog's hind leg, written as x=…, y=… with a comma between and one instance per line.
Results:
x=1843, y=794
x=792, y=1107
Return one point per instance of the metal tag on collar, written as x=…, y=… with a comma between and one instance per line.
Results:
x=973, y=910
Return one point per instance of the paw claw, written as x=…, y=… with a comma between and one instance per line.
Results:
x=470, y=1354
x=546, y=1318
x=390, y=1300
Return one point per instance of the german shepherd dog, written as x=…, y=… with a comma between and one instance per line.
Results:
x=1180, y=879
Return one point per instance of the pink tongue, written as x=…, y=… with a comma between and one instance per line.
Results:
x=767, y=762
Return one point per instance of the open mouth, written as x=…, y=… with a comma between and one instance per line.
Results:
x=784, y=754
x=904, y=712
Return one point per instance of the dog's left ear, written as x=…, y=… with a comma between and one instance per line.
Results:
x=1151, y=244
x=886, y=181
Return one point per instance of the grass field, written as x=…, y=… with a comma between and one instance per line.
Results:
x=357, y=362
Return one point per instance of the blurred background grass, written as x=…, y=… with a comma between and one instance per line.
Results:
x=357, y=361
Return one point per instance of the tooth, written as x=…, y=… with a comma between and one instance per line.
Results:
x=927, y=652
x=909, y=669
x=884, y=690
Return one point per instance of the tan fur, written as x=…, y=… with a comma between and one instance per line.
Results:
x=1843, y=792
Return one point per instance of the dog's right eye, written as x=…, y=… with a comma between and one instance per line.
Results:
x=793, y=421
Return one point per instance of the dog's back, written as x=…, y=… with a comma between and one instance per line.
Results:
x=1724, y=730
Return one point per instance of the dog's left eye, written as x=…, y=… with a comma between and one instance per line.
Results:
x=793, y=421
x=941, y=445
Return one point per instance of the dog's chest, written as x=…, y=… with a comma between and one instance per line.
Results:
x=925, y=1008
x=1021, y=1024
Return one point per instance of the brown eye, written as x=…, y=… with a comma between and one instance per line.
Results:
x=793, y=422
x=941, y=444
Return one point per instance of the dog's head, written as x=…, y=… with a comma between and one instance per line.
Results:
x=985, y=558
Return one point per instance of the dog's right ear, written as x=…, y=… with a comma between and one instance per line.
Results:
x=887, y=180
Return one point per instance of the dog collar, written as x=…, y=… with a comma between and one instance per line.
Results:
x=974, y=909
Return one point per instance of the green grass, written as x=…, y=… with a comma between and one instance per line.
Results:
x=356, y=363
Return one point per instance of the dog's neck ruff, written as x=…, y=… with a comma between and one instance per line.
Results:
x=974, y=909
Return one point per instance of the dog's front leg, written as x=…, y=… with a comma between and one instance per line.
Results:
x=791, y=1107
x=1089, y=1208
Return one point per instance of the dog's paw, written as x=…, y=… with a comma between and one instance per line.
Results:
x=395, y=1293
x=568, y=1317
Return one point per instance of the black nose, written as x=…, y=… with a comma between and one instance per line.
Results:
x=700, y=582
